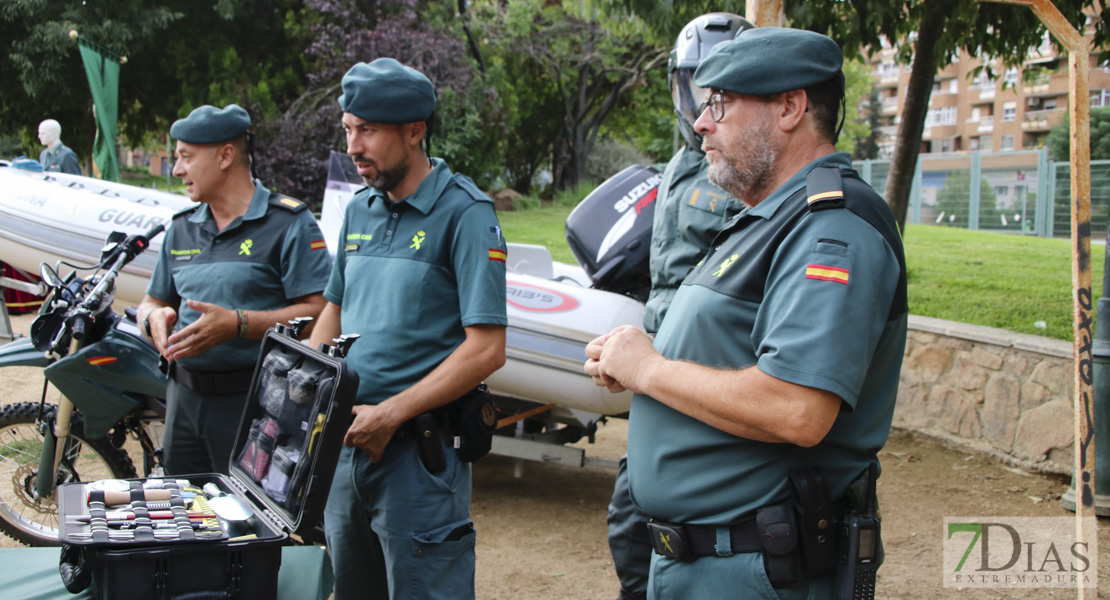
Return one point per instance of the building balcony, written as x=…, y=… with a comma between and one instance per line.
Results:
x=986, y=124
x=890, y=106
x=1040, y=120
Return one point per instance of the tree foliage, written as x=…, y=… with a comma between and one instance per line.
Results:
x=180, y=54
x=929, y=34
x=294, y=148
x=589, y=68
x=1059, y=139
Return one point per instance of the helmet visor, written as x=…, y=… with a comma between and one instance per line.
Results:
x=687, y=96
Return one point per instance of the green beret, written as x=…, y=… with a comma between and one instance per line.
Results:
x=210, y=125
x=385, y=91
x=770, y=60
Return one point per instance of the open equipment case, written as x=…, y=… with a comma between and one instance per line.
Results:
x=158, y=538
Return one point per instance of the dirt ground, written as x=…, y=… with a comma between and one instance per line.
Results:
x=543, y=535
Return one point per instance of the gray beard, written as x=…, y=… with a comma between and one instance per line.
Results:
x=748, y=172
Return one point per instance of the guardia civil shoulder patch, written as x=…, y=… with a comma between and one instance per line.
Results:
x=317, y=244
x=827, y=273
x=496, y=254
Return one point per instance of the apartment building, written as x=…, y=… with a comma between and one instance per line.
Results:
x=968, y=114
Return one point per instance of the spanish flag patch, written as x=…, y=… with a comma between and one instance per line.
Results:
x=317, y=244
x=497, y=254
x=826, y=273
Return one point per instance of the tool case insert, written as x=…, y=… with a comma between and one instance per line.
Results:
x=297, y=412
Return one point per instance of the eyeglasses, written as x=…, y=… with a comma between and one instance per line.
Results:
x=716, y=106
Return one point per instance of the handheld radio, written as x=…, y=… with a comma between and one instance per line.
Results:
x=859, y=548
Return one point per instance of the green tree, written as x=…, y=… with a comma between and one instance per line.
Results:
x=928, y=34
x=1059, y=138
x=867, y=147
x=42, y=69
x=588, y=68
x=181, y=53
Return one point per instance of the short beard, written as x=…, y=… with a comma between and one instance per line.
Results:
x=387, y=179
x=746, y=172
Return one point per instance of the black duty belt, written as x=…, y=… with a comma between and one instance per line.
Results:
x=685, y=542
x=210, y=382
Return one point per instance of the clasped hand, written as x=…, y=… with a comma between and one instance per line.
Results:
x=621, y=359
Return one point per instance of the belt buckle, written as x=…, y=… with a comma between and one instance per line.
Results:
x=669, y=539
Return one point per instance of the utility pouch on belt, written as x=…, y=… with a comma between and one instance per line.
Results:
x=778, y=533
x=816, y=521
x=476, y=418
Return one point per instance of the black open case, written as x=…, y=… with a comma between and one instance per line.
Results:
x=298, y=410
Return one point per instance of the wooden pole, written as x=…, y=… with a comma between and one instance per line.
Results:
x=764, y=13
x=1082, y=304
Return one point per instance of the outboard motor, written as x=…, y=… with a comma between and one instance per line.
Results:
x=609, y=232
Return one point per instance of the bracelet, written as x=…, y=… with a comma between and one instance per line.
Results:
x=241, y=316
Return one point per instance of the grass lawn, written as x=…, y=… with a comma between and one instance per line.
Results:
x=999, y=280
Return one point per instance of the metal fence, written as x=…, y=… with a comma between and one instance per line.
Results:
x=1013, y=192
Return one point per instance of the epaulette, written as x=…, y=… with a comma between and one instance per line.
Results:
x=471, y=188
x=824, y=189
x=287, y=203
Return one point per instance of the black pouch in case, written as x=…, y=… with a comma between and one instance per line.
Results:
x=778, y=533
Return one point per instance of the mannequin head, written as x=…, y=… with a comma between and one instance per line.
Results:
x=50, y=131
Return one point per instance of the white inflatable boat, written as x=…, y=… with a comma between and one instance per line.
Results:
x=553, y=310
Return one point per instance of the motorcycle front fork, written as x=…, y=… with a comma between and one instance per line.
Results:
x=54, y=439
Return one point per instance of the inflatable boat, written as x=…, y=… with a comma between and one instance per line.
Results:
x=554, y=309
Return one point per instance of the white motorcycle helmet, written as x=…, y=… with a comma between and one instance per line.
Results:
x=695, y=41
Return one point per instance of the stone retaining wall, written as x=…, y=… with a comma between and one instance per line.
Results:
x=993, y=390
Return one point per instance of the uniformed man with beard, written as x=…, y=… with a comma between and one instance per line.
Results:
x=420, y=275
x=781, y=349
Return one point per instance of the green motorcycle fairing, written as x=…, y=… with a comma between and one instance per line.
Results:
x=105, y=387
x=22, y=353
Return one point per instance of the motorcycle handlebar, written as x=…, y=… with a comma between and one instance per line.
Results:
x=138, y=243
x=79, y=324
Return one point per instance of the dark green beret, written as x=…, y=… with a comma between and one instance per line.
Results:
x=209, y=125
x=770, y=60
x=385, y=91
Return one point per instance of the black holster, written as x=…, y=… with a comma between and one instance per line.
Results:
x=429, y=441
x=816, y=520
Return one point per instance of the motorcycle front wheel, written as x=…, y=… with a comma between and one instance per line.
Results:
x=23, y=517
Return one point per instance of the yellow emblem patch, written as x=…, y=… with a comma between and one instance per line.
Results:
x=725, y=265
x=417, y=240
x=245, y=247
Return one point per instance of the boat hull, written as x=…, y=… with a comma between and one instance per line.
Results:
x=552, y=311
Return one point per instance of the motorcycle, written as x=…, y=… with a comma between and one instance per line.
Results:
x=102, y=386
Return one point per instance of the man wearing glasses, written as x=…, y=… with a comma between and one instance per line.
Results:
x=781, y=349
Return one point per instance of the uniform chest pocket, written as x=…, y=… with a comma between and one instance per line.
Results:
x=830, y=246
